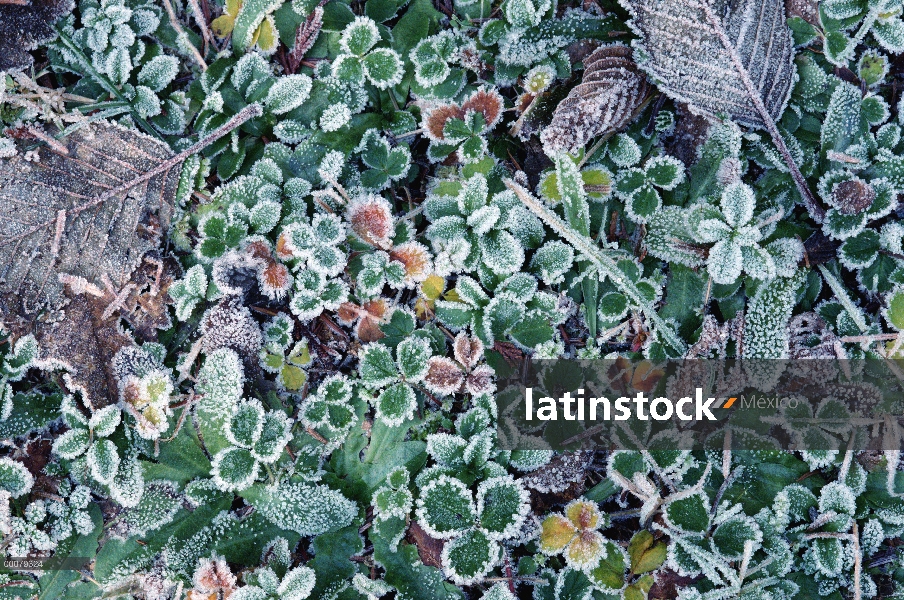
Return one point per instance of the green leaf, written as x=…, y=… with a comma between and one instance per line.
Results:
x=571, y=190
x=412, y=354
x=383, y=67
x=301, y=507
x=246, y=542
x=31, y=411
x=54, y=583
x=120, y=558
x=643, y=204
x=684, y=295
x=376, y=366
x=646, y=553
x=396, y=404
x=470, y=557
x=445, y=508
x=609, y=574
x=180, y=460
x=403, y=568
x=331, y=562
x=689, y=514
x=895, y=311
x=533, y=329
x=861, y=250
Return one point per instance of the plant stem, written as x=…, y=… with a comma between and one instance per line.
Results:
x=604, y=264
x=843, y=298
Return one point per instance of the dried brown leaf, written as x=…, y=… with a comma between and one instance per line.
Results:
x=429, y=549
x=25, y=25
x=50, y=223
x=85, y=348
x=89, y=207
x=77, y=220
x=607, y=99
x=731, y=57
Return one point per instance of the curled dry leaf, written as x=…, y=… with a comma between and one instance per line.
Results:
x=733, y=58
x=612, y=92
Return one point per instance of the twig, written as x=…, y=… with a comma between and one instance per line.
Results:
x=201, y=20
x=816, y=211
x=868, y=339
x=603, y=263
x=249, y=112
x=409, y=134
x=40, y=135
x=181, y=33
x=858, y=561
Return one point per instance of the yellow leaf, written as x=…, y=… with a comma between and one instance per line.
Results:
x=556, y=532
x=432, y=287
x=584, y=515
x=222, y=25
x=233, y=7
x=646, y=553
x=293, y=378
x=452, y=296
x=586, y=550
x=423, y=309
x=266, y=35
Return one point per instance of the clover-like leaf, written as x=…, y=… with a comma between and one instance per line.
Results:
x=689, y=513
x=396, y=404
x=470, y=557
x=502, y=505
x=445, y=508
x=234, y=469
x=413, y=356
x=376, y=366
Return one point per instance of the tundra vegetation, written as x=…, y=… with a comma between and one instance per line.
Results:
x=263, y=261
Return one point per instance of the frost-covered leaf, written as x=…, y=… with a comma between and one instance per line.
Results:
x=445, y=508
x=611, y=92
x=304, y=508
x=104, y=421
x=104, y=174
x=103, y=460
x=412, y=358
x=72, y=443
x=234, y=469
x=689, y=514
x=359, y=36
x=55, y=231
x=23, y=26
x=376, y=366
x=289, y=92
x=14, y=477
x=470, y=557
x=396, y=404
x=706, y=58
x=733, y=59
x=502, y=504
